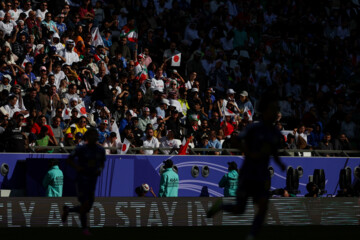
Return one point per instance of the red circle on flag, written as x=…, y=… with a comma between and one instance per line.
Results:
x=83, y=110
x=176, y=58
x=123, y=148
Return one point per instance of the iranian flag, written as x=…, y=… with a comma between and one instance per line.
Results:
x=140, y=72
x=131, y=34
x=175, y=60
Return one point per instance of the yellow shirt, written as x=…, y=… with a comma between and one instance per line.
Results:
x=77, y=129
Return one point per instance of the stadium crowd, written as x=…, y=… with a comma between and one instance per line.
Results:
x=151, y=73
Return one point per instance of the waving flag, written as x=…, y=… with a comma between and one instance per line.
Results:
x=175, y=60
x=248, y=112
x=131, y=34
x=81, y=110
x=184, y=146
x=124, y=147
x=96, y=38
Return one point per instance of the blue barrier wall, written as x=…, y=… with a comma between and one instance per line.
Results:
x=122, y=173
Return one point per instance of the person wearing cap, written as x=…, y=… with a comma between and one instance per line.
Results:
x=126, y=121
x=79, y=139
x=169, y=181
x=55, y=46
x=142, y=190
x=5, y=83
x=245, y=105
x=103, y=131
x=161, y=109
x=229, y=182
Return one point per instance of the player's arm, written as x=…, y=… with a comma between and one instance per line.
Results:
x=71, y=160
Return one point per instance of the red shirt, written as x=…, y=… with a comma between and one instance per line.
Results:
x=228, y=128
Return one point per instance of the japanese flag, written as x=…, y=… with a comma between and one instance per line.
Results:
x=175, y=60
x=248, y=112
x=96, y=37
x=81, y=110
x=24, y=63
x=124, y=147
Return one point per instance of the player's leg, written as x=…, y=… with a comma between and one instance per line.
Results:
x=260, y=215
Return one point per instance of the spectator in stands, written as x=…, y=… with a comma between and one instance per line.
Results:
x=80, y=126
x=43, y=140
x=326, y=144
x=214, y=143
x=57, y=130
x=316, y=135
x=169, y=141
x=103, y=131
x=301, y=136
x=342, y=143
x=149, y=141
x=14, y=137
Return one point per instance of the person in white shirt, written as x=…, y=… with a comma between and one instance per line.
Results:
x=157, y=82
x=40, y=13
x=16, y=10
x=26, y=7
x=7, y=9
x=11, y=107
x=58, y=73
x=68, y=52
x=169, y=141
x=149, y=141
x=190, y=82
x=7, y=25
x=112, y=141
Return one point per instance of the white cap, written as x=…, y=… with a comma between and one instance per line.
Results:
x=164, y=100
x=244, y=94
x=230, y=91
x=132, y=113
x=145, y=187
x=194, y=90
x=7, y=76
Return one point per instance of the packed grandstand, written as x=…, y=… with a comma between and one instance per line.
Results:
x=167, y=74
